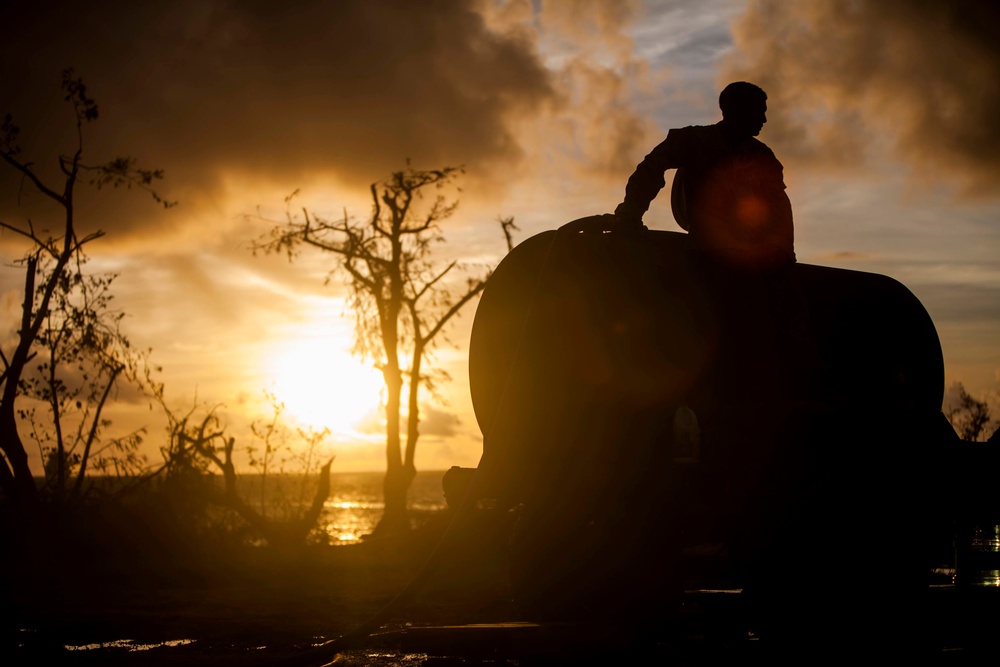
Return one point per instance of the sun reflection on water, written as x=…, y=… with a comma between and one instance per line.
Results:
x=355, y=504
x=130, y=645
x=345, y=505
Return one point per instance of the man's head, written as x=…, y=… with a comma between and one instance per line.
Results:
x=744, y=108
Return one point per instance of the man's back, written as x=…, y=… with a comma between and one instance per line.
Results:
x=729, y=190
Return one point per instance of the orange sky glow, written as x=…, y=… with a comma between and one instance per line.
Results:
x=891, y=155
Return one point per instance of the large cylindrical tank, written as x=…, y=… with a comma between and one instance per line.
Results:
x=568, y=319
x=812, y=387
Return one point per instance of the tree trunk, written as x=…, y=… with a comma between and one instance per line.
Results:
x=6, y=478
x=395, y=520
x=396, y=483
x=413, y=407
x=21, y=488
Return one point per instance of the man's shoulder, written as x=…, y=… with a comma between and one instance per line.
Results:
x=758, y=146
x=694, y=139
x=712, y=134
x=693, y=131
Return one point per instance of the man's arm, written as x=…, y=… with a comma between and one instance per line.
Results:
x=647, y=180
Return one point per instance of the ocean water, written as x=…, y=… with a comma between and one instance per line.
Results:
x=355, y=503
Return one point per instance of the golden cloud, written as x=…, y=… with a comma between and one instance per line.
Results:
x=847, y=79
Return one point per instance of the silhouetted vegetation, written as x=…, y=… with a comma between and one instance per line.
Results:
x=401, y=298
x=67, y=327
x=969, y=416
x=82, y=359
x=198, y=448
x=70, y=360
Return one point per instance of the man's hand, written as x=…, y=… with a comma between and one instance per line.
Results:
x=606, y=222
x=593, y=224
x=627, y=220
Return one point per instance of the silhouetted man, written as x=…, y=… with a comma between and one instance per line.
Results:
x=729, y=192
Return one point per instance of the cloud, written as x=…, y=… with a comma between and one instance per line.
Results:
x=842, y=256
x=350, y=88
x=597, y=76
x=437, y=422
x=962, y=304
x=236, y=100
x=848, y=78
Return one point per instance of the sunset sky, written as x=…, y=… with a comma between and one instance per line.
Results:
x=885, y=114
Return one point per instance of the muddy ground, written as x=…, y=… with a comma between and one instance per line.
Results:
x=260, y=606
x=245, y=606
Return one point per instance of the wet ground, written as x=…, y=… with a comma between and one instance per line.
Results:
x=268, y=625
x=261, y=607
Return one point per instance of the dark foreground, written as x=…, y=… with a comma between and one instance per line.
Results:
x=259, y=606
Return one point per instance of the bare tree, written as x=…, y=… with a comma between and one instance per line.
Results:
x=57, y=251
x=82, y=358
x=198, y=446
x=969, y=416
x=401, y=298
x=508, y=227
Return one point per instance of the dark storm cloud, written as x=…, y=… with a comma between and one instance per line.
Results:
x=918, y=76
x=352, y=87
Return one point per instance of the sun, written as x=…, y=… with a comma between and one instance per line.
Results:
x=323, y=386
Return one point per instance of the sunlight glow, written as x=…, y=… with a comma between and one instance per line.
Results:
x=323, y=386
